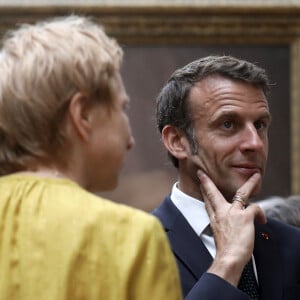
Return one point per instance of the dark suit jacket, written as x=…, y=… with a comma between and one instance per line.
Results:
x=276, y=253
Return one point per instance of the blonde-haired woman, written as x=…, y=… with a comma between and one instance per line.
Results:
x=64, y=132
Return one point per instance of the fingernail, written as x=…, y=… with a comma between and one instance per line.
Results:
x=256, y=174
x=200, y=174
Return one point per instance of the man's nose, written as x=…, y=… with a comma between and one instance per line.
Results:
x=252, y=141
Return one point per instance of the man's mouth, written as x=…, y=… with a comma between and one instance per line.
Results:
x=247, y=168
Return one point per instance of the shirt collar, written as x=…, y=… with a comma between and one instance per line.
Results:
x=192, y=209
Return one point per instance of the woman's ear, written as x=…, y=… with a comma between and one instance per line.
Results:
x=80, y=109
x=175, y=142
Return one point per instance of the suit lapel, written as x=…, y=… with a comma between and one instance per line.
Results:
x=186, y=245
x=267, y=262
x=190, y=250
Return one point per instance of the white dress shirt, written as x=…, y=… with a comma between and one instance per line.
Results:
x=196, y=215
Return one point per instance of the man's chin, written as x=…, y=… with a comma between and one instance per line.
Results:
x=254, y=193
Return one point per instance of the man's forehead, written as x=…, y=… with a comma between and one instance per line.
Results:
x=219, y=95
x=217, y=87
x=212, y=81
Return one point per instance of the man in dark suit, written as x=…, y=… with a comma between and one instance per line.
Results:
x=213, y=116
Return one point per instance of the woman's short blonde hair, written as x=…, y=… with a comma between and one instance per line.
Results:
x=41, y=67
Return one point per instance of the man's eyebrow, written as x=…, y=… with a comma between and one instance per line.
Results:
x=235, y=115
x=266, y=116
x=225, y=114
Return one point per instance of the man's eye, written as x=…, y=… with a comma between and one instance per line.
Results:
x=227, y=124
x=259, y=125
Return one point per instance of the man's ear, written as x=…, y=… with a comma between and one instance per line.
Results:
x=176, y=142
x=79, y=113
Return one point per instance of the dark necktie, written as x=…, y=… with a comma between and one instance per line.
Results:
x=248, y=283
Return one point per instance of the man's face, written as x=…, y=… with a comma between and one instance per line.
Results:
x=231, y=121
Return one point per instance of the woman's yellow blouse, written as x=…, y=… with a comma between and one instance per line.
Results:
x=58, y=241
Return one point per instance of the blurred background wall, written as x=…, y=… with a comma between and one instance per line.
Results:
x=161, y=36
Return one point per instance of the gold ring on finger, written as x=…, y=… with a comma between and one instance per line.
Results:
x=240, y=199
